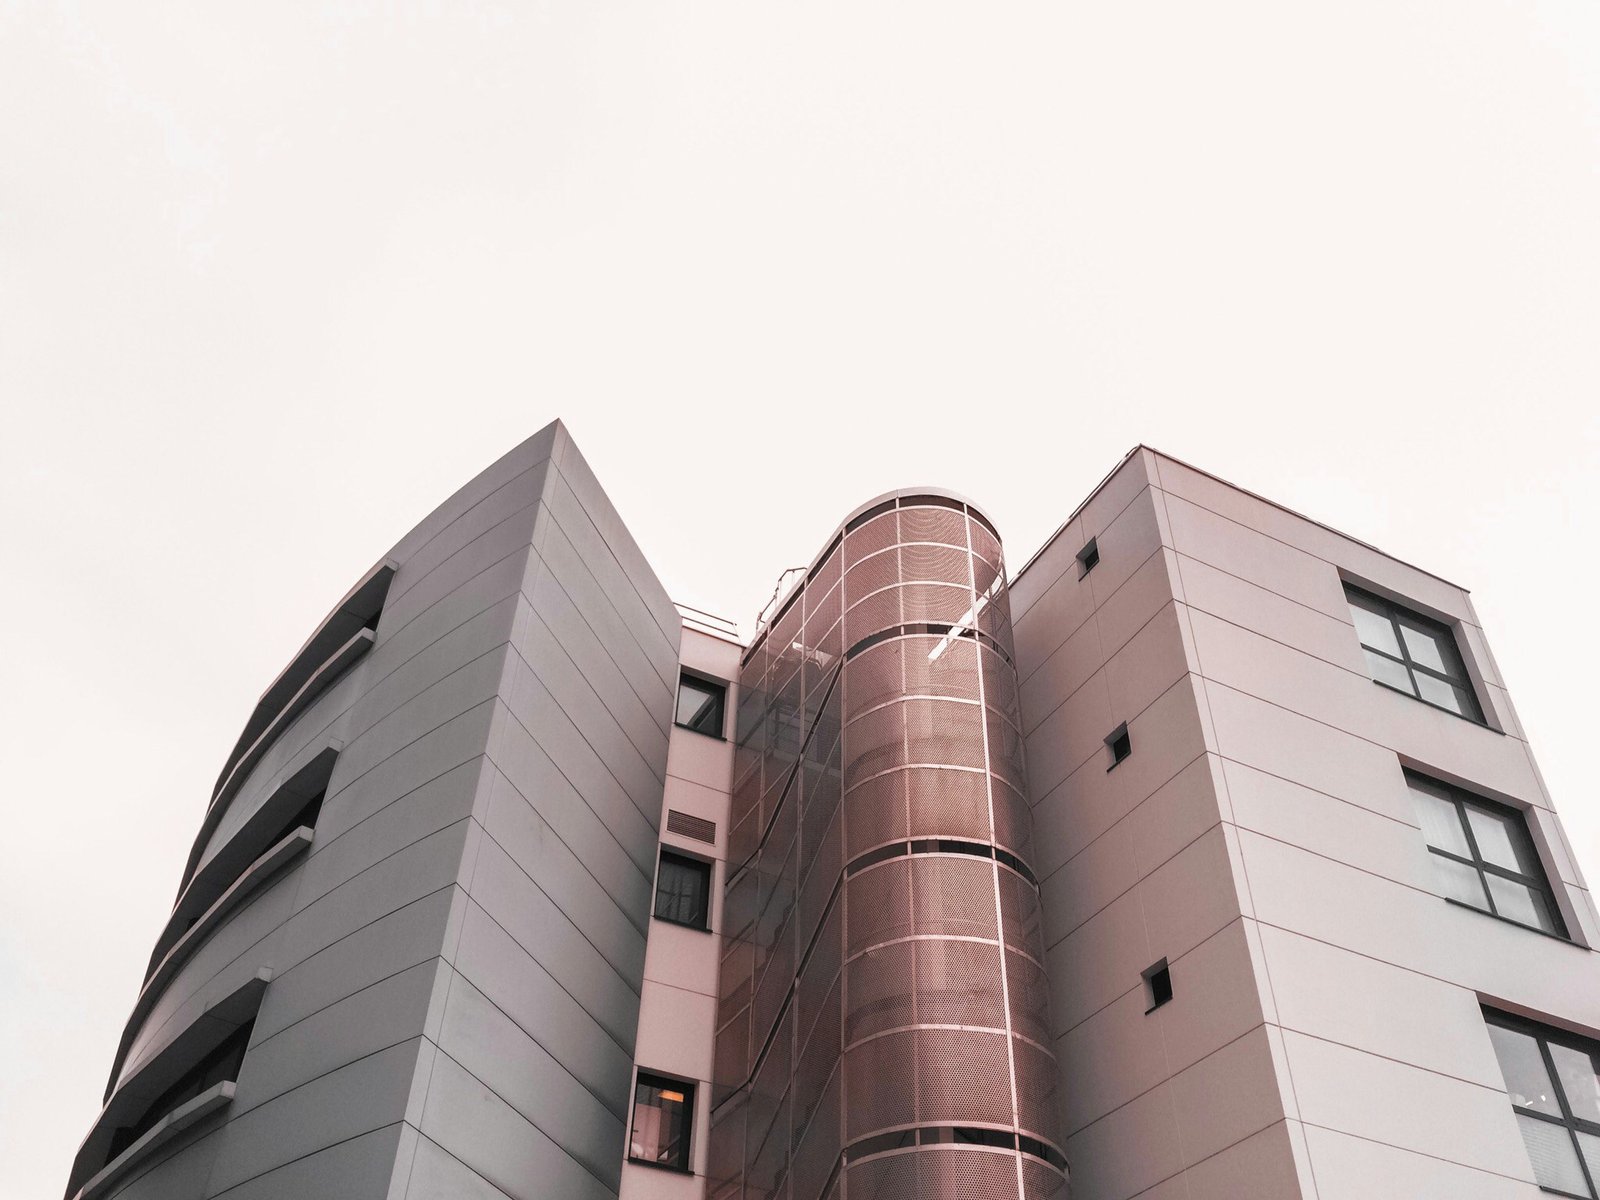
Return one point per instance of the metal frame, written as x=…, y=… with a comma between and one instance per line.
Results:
x=661, y=1082
x=705, y=870
x=1540, y=883
x=1543, y=1035
x=1413, y=668
x=717, y=685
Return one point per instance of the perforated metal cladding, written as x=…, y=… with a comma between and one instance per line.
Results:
x=1040, y=1182
x=900, y=980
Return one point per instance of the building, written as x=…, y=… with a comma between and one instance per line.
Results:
x=1202, y=857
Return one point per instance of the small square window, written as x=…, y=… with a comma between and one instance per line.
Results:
x=663, y=1111
x=683, y=890
x=1088, y=557
x=1119, y=743
x=700, y=705
x=1157, y=986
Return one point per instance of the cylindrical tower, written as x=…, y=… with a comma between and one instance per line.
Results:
x=884, y=1023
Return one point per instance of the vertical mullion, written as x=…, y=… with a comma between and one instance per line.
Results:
x=1477, y=855
x=1405, y=652
x=1566, y=1110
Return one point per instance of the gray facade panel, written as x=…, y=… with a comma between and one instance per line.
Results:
x=436, y=1174
x=362, y=1166
x=516, y=984
x=468, y=1120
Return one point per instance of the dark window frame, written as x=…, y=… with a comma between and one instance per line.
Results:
x=720, y=686
x=1120, y=743
x=1157, y=980
x=703, y=868
x=651, y=1079
x=1463, y=800
x=1395, y=611
x=1089, y=557
x=1545, y=1035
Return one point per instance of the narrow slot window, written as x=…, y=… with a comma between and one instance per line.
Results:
x=1157, y=986
x=1088, y=557
x=1119, y=743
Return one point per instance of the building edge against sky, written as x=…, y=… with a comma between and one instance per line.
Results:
x=1277, y=902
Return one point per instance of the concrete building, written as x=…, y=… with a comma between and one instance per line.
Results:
x=1202, y=857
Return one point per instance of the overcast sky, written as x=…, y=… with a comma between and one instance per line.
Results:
x=276, y=279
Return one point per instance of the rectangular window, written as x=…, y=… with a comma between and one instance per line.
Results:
x=662, y=1112
x=1412, y=654
x=1555, y=1091
x=1088, y=557
x=700, y=705
x=1483, y=856
x=683, y=890
x=1119, y=743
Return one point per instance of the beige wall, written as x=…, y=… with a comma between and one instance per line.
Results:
x=678, y=1007
x=1324, y=1038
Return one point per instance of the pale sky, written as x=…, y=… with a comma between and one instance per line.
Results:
x=276, y=279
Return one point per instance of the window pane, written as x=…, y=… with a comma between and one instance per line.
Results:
x=1503, y=841
x=1555, y=1162
x=1373, y=625
x=1459, y=881
x=1576, y=1071
x=1445, y=695
x=660, y=1122
x=1518, y=902
x=1426, y=649
x=1386, y=670
x=1590, y=1145
x=700, y=705
x=681, y=890
x=1527, y=1081
x=1441, y=820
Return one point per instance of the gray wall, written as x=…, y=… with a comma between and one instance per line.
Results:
x=457, y=962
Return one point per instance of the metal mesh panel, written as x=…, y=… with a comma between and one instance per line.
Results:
x=875, y=813
x=967, y=1174
x=871, y=575
x=819, y=1147
x=892, y=1177
x=878, y=991
x=941, y=666
x=995, y=619
x=875, y=675
x=822, y=610
x=725, y=1157
x=944, y=731
x=874, y=743
x=936, y=602
x=875, y=535
x=933, y=525
x=818, y=1058
x=1030, y=997
x=1013, y=819
x=984, y=544
x=963, y=1077
x=774, y=986
x=950, y=804
x=737, y=983
x=769, y=1160
x=953, y=895
x=1040, y=1182
x=827, y=574
x=924, y=563
x=827, y=861
x=817, y=992
x=880, y=1084
x=877, y=612
x=957, y=983
x=878, y=904
x=1037, y=1110
x=1005, y=748
x=1019, y=906
x=1000, y=686
x=731, y=1064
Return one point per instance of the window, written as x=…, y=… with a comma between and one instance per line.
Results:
x=1555, y=1092
x=1483, y=856
x=219, y=1065
x=1412, y=654
x=1088, y=557
x=1119, y=743
x=700, y=705
x=683, y=890
x=1157, y=986
x=662, y=1113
